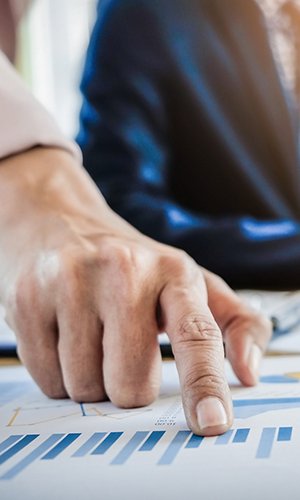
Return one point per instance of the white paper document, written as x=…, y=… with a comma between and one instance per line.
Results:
x=57, y=449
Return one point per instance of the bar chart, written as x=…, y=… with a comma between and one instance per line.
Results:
x=45, y=443
x=99, y=443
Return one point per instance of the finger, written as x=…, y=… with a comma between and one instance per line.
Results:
x=132, y=361
x=41, y=358
x=34, y=324
x=80, y=349
x=246, y=333
x=198, y=350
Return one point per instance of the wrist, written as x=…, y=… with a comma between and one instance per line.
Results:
x=45, y=178
x=48, y=183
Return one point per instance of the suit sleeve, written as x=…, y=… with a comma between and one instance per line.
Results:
x=124, y=139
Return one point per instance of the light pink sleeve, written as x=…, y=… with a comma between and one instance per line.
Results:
x=24, y=122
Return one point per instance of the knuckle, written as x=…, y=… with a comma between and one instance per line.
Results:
x=123, y=261
x=74, y=260
x=71, y=266
x=197, y=328
x=204, y=381
x=126, y=259
x=176, y=261
x=22, y=293
x=115, y=250
x=125, y=266
x=74, y=277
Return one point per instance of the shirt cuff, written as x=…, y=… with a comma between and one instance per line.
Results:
x=24, y=122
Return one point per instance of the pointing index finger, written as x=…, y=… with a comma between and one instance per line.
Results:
x=198, y=350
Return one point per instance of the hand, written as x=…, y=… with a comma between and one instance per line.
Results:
x=87, y=295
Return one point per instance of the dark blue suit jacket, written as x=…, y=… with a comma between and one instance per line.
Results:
x=191, y=136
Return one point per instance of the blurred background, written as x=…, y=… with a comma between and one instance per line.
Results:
x=53, y=38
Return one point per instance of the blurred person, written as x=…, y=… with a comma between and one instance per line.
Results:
x=87, y=294
x=190, y=125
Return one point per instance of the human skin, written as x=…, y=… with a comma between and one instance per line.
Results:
x=87, y=295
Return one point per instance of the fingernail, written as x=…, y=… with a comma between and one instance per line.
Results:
x=211, y=413
x=254, y=360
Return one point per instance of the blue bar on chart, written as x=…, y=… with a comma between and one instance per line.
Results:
x=152, y=440
x=9, y=441
x=129, y=448
x=194, y=441
x=107, y=443
x=89, y=444
x=266, y=442
x=241, y=436
x=26, y=461
x=224, y=438
x=13, y=450
x=174, y=448
x=246, y=408
x=267, y=401
x=61, y=446
x=285, y=433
